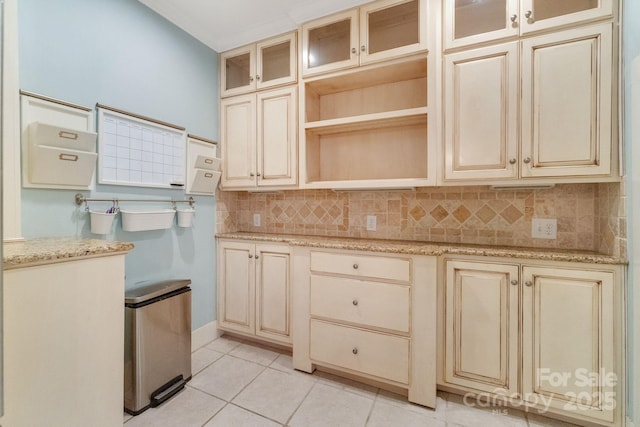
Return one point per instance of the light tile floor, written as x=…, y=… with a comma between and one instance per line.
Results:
x=238, y=383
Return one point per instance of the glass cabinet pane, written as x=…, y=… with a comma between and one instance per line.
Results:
x=473, y=17
x=275, y=61
x=546, y=9
x=330, y=43
x=238, y=71
x=394, y=27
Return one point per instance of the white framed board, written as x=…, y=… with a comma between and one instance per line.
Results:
x=137, y=152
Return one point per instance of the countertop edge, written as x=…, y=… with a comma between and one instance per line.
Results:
x=37, y=252
x=427, y=248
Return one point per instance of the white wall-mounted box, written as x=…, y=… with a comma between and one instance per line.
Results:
x=58, y=144
x=203, y=167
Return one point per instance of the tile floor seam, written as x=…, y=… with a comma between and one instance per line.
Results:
x=255, y=413
x=366, y=422
x=315, y=382
x=216, y=413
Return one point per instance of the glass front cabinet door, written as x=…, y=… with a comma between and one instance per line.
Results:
x=469, y=22
x=258, y=66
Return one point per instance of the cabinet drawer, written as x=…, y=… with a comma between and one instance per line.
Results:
x=377, y=267
x=380, y=355
x=372, y=304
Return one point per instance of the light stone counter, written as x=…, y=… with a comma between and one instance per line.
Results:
x=57, y=249
x=427, y=248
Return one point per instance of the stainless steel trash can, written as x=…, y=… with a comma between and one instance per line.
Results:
x=157, y=359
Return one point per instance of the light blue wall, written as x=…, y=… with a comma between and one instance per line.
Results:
x=631, y=50
x=122, y=54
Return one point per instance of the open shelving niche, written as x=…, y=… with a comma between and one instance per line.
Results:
x=367, y=128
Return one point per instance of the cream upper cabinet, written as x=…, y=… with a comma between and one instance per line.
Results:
x=553, y=119
x=258, y=66
x=481, y=110
x=259, y=139
x=468, y=21
x=570, y=341
x=375, y=32
x=254, y=289
x=482, y=326
x=566, y=103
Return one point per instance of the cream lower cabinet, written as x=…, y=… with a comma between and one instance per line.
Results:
x=259, y=135
x=369, y=316
x=559, y=324
x=254, y=289
x=529, y=110
x=64, y=343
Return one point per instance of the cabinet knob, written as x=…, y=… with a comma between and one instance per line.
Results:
x=513, y=18
x=354, y=302
x=528, y=14
x=363, y=48
x=355, y=266
x=512, y=161
x=251, y=174
x=250, y=78
x=528, y=283
x=355, y=350
x=250, y=256
x=514, y=282
x=353, y=50
x=259, y=174
x=257, y=76
x=527, y=160
x=257, y=256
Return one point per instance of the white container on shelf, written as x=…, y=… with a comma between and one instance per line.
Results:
x=147, y=220
x=185, y=217
x=101, y=222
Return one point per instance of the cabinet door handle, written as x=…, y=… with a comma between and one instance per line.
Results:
x=528, y=283
x=251, y=78
x=513, y=18
x=363, y=48
x=514, y=282
x=527, y=160
x=257, y=256
x=355, y=266
x=528, y=14
x=355, y=350
x=354, y=302
x=257, y=76
x=353, y=50
x=512, y=161
x=259, y=174
x=252, y=174
x=250, y=255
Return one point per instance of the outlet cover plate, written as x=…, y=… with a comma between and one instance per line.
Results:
x=371, y=223
x=544, y=228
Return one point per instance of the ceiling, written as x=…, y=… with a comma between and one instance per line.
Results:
x=225, y=24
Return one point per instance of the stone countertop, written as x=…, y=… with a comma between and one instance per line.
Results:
x=57, y=249
x=427, y=248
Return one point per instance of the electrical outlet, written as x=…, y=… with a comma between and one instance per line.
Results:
x=371, y=223
x=256, y=220
x=544, y=228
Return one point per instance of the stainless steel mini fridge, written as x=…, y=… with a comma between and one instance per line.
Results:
x=157, y=359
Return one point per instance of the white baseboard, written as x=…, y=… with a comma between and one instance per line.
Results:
x=204, y=335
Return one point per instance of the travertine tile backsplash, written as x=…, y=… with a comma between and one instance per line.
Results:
x=590, y=216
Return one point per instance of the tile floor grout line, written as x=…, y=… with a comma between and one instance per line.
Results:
x=216, y=413
x=301, y=402
x=375, y=399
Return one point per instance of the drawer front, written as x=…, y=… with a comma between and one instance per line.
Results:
x=378, y=305
x=380, y=355
x=377, y=267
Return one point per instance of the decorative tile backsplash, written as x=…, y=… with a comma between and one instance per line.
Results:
x=590, y=216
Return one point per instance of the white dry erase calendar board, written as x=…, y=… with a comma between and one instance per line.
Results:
x=140, y=152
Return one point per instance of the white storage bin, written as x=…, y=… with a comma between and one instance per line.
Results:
x=147, y=220
x=185, y=217
x=56, y=136
x=61, y=166
x=209, y=163
x=205, y=181
x=101, y=222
